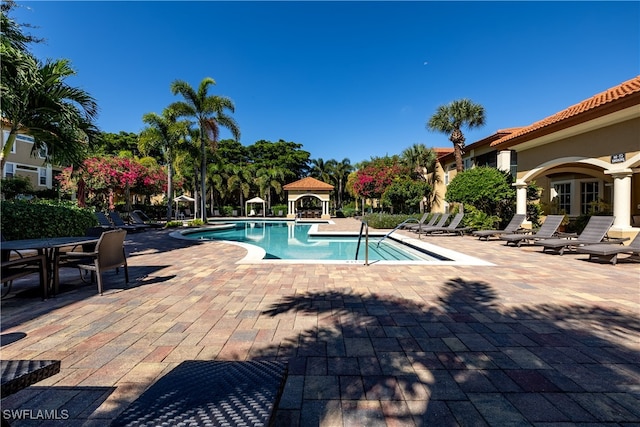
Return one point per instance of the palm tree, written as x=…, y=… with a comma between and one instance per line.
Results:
x=37, y=101
x=341, y=171
x=449, y=119
x=239, y=180
x=419, y=159
x=165, y=133
x=209, y=112
x=422, y=162
x=268, y=179
x=321, y=169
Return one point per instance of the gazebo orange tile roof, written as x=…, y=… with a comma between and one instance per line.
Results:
x=624, y=95
x=308, y=183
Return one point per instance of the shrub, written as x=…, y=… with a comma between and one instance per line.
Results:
x=387, y=220
x=11, y=187
x=195, y=222
x=479, y=220
x=487, y=189
x=44, y=218
x=405, y=196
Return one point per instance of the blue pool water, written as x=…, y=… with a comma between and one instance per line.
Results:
x=289, y=241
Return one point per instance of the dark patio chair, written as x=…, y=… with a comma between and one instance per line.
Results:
x=450, y=229
x=24, y=265
x=109, y=254
x=421, y=221
x=513, y=227
x=547, y=230
x=119, y=223
x=104, y=221
x=138, y=220
x=594, y=232
x=609, y=252
x=441, y=222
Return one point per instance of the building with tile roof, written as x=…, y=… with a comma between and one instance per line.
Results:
x=308, y=198
x=584, y=157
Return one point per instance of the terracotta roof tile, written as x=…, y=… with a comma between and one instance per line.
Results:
x=308, y=183
x=590, y=105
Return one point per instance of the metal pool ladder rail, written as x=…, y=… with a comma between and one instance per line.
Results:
x=364, y=226
x=397, y=227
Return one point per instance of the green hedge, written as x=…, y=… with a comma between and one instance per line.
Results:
x=44, y=218
x=386, y=220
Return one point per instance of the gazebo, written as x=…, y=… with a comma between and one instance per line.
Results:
x=183, y=198
x=308, y=189
x=255, y=200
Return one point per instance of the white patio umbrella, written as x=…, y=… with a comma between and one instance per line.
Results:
x=183, y=198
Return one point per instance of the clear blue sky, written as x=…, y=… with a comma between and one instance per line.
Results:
x=344, y=79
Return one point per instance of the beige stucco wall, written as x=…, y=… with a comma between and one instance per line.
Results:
x=598, y=144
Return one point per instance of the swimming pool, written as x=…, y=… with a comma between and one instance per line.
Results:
x=302, y=242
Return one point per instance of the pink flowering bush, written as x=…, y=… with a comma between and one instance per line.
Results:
x=103, y=177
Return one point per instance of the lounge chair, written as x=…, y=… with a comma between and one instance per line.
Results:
x=138, y=220
x=414, y=225
x=441, y=222
x=609, y=252
x=24, y=265
x=119, y=223
x=512, y=227
x=104, y=221
x=452, y=228
x=109, y=254
x=594, y=232
x=546, y=231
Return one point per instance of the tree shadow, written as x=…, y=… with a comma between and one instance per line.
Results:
x=56, y=405
x=374, y=359
x=25, y=303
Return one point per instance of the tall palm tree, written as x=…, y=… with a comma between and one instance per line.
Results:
x=37, y=100
x=322, y=170
x=165, y=133
x=210, y=114
x=341, y=171
x=240, y=178
x=270, y=178
x=450, y=119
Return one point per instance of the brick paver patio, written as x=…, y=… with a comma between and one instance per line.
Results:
x=535, y=339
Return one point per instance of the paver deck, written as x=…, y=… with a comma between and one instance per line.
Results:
x=535, y=339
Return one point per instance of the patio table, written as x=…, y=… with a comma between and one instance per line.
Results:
x=50, y=247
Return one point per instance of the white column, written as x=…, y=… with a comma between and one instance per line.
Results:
x=503, y=162
x=521, y=197
x=621, y=198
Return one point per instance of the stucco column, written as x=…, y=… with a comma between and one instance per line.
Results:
x=503, y=161
x=621, y=198
x=521, y=197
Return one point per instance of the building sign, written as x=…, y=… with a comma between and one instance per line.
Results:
x=618, y=158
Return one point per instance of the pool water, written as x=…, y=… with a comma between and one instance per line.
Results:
x=289, y=241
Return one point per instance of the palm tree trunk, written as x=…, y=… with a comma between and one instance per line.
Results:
x=457, y=151
x=203, y=176
x=169, y=191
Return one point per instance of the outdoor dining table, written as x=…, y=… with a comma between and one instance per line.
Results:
x=50, y=247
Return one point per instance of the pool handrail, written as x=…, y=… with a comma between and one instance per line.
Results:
x=397, y=227
x=363, y=225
